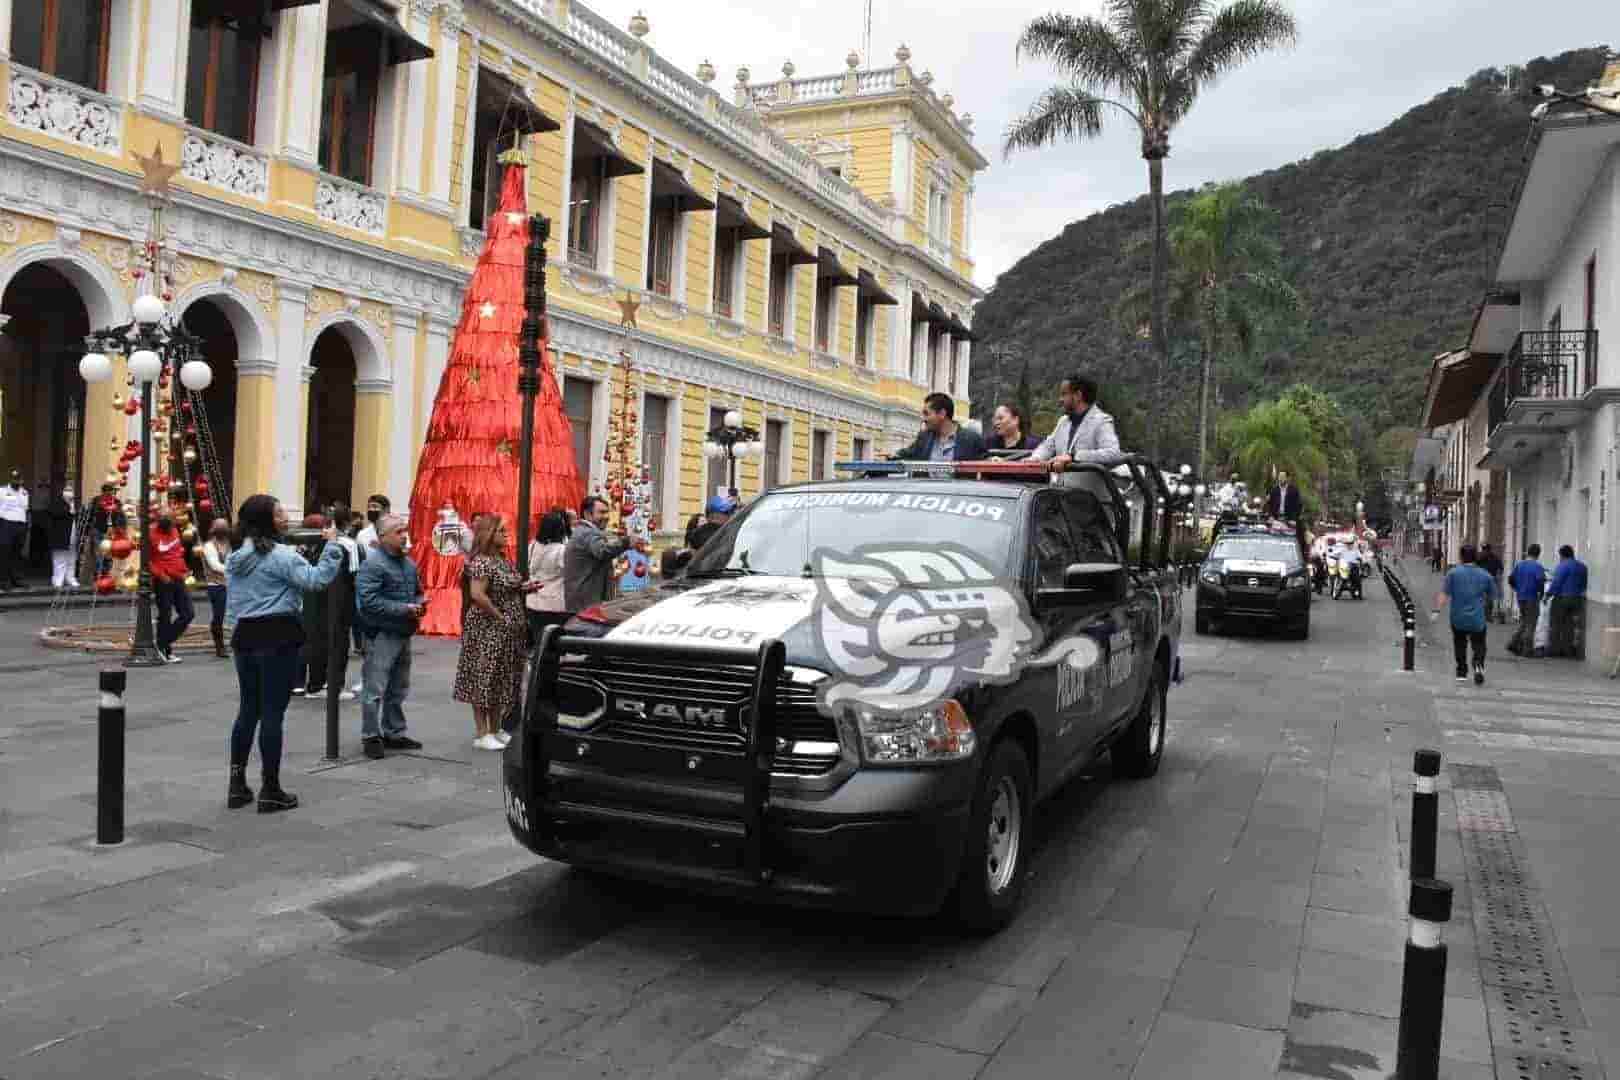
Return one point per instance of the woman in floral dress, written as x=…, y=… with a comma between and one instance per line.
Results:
x=492, y=634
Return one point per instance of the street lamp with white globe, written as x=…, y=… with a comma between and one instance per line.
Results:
x=149, y=341
x=732, y=440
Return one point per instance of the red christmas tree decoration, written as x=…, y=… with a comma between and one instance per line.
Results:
x=470, y=459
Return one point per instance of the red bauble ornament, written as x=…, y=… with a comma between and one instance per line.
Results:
x=627, y=509
x=122, y=466
x=201, y=485
x=185, y=408
x=120, y=548
x=205, y=506
x=106, y=584
x=132, y=406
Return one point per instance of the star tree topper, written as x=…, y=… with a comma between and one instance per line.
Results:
x=157, y=172
x=627, y=310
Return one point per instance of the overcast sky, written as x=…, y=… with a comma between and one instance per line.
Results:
x=1356, y=67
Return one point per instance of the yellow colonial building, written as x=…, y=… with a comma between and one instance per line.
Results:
x=800, y=246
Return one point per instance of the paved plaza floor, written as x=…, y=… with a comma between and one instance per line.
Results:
x=1240, y=916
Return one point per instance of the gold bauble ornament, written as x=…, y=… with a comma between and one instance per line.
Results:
x=190, y=455
x=105, y=547
x=188, y=535
x=191, y=581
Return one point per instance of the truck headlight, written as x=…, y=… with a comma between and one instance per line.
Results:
x=1210, y=577
x=580, y=704
x=941, y=733
x=1295, y=580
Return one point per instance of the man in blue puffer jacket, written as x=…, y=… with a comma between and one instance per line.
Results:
x=389, y=597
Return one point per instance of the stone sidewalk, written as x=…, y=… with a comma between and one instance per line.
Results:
x=1240, y=916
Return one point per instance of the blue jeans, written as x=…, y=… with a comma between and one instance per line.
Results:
x=386, y=679
x=173, y=610
x=265, y=677
x=216, y=602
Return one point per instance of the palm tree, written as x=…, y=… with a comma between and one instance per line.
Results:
x=1274, y=437
x=1229, y=268
x=1148, y=59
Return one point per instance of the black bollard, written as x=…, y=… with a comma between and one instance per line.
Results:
x=1409, y=646
x=110, y=758
x=1425, y=812
x=1423, y=983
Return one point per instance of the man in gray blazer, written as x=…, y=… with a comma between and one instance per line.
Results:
x=588, y=557
x=1085, y=433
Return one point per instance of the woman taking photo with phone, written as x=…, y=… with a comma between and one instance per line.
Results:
x=265, y=583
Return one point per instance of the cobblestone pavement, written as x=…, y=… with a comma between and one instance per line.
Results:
x=1239, y=916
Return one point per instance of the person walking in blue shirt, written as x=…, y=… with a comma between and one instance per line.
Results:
x=1468, y=588
x=1568, y=592
x=1528, y=581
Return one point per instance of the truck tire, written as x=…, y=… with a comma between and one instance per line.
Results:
x=1301, y=630
x=1140, y=747
x=995, y=858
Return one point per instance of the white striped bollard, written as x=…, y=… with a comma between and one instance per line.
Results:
x=110, y=758
x=1425, y=812
x=1423, y=983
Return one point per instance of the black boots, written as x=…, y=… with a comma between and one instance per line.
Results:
x=219, y=641
x=240, y=794
x=271, y=797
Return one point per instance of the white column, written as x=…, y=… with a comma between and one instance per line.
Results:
x=901, y=161
x=301, y=55
x=287, y=469
x=5, y=54
x=442, y=126
x=900, y=332
x=439, y=329
x=163, y=63
x=967, y=221
x=412, y=84
x=964, y=348
x=402, y=436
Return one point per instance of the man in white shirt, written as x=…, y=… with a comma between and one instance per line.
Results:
x=13, y=528
x=376, y=507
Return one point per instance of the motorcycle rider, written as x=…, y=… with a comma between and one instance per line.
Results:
x=1351, y=559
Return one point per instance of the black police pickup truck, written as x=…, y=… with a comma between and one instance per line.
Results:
x=1254, y=572
x=859, y=689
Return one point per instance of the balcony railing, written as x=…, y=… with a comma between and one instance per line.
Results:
x=1551, y=365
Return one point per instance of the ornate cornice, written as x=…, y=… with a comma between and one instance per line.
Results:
x=80, y=194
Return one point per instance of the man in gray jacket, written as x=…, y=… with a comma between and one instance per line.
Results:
x=588, y=558
x=1085, y=433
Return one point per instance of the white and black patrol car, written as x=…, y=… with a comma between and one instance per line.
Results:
x=1254, y=572
x=859, y=689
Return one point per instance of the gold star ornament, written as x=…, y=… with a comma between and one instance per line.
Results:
x=504, y=448
x=627, y=310
x=157, y=172
x=488, y=310
x=514, y=218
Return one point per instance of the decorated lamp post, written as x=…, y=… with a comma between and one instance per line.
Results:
x=732, y=440
x=151, y=341
x=534, y=316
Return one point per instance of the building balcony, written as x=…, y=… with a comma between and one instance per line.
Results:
x=1543, y=390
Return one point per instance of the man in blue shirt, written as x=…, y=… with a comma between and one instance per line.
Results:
x=1528, y=580
x=1468, y=588
x=1568, y=592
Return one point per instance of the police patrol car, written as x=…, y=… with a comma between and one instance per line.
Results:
x=859, y=689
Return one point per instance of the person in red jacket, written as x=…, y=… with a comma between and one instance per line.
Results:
x=169, y=572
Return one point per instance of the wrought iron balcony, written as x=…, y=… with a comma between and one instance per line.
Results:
x=1551, y=365
x=1540, y=392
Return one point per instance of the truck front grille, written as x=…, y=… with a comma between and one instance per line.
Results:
x=704, y=709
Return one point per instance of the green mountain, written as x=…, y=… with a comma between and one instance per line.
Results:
x=1390, y=239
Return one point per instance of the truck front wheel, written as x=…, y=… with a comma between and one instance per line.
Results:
x=1139, y=748
x=995, y=859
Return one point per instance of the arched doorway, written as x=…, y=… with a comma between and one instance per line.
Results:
x=41, y=393
x=220, y=350
x=329, y=451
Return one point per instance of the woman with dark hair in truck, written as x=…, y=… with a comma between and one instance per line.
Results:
x=265, y=583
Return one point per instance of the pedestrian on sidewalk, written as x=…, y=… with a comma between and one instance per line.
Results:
x=13, y=527
x=1469, y=589
x=389, y=597
x=61, y=517
x=1568, y=592
x=1528, y=581
x=265, y=583
x=1491, y=563
x=545, y=598
x=493, y=633
x=169, y=573
x=214, y=553
x=336, y=603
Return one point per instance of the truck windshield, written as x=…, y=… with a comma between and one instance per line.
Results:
x=780, y=534
x=1257, y=550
